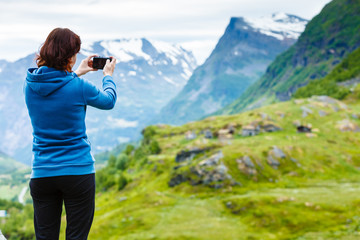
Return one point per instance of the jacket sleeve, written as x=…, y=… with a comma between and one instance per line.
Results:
x=102, y=99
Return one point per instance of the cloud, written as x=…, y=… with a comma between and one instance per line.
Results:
x=179, y=21
x=121, y=123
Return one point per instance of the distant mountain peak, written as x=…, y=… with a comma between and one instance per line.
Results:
x=129, y=49
x=279, y=25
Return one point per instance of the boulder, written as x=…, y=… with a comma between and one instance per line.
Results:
x=277, y=152
x=246, y=165
x=355, y=116
x=176, y=180
x=322, y=113
x=310, y=135
x=298, y=101
x=213, y=160
x=188, y=155
x=273, y=162
x=306, y=111
x=280, y=114
x=347, y=126
x=210, y=172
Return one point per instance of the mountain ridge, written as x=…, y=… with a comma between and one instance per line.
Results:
x=327, y=39
x=239, y=58
x=144, y=84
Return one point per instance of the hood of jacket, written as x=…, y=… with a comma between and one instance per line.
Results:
x=44, y=80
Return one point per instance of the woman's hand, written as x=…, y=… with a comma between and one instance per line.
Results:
x=109, y=67
x=85, y=66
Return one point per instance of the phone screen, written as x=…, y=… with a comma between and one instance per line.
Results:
x=99, y=62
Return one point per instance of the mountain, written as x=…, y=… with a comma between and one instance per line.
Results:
x=339, y=83
x=327, y=40
x=148, y=74
x=9, y=165
x=241, y=56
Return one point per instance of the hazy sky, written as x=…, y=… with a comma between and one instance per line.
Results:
x=196, y=24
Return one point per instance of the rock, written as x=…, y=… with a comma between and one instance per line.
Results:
x=322, y=113
x=355, y=116
x=315, y=130
x=264, y=116
x=306, y=111
x=246, y=165
x=213, y=160
x=347, y=126
x=248, y=162
x=296, y=123
x=189, y=155
x=176, y=180
x=280, y=114
x=122, y=199
x=222, y=169
x=229, y=205
x=210, y=172
x=277, y=152
x=273, y=162
x=325, y=99
x=343, y=106
x=310, y=135
x=298, y=101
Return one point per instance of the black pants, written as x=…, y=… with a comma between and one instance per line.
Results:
x=78, y=195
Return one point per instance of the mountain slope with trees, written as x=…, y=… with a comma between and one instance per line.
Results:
x=328, y=38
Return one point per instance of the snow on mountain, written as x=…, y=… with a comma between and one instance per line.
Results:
x=278, y=25
x=126, y=50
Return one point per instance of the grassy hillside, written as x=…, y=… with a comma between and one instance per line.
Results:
x=274, y=185
x=295, y=184
x=9, y=165
x=327, y=40
x=338, y=82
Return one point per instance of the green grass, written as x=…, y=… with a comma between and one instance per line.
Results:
x=314, y=197
x=317, y=199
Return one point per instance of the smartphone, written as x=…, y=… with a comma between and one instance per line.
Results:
x=99, y=62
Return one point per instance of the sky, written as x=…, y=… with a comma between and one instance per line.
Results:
x=197, y=25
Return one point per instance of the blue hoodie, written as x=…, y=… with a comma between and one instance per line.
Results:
x=56, y=101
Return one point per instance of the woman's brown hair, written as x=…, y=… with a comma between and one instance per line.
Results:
x=59, y=47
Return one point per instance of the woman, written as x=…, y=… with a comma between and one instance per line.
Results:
x=63, y=167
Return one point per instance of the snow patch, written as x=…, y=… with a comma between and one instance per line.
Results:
x=125, y=49
x=278, y=25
